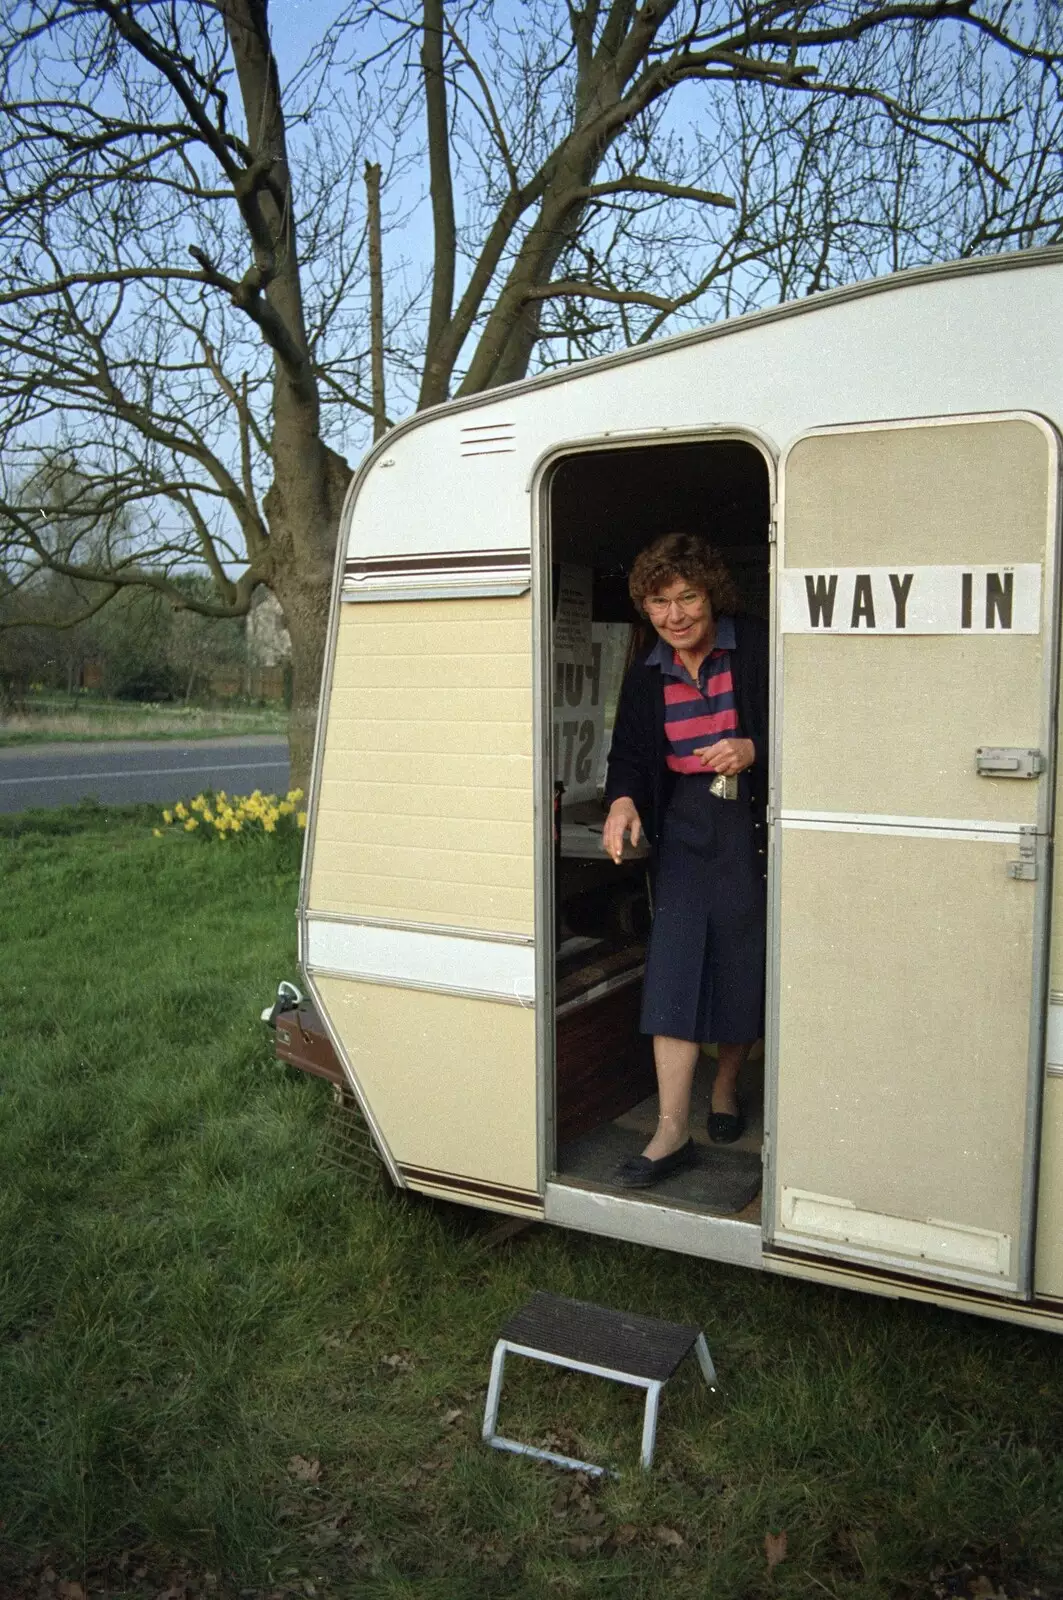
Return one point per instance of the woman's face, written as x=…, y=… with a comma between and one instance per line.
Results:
x=682, y=615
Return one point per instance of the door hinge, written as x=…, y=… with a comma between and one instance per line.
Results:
x=1005, y=761
x=1026, y=866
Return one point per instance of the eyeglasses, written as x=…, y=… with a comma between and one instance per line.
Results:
x=658, y=606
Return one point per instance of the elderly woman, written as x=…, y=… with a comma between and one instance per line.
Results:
x=687, y=768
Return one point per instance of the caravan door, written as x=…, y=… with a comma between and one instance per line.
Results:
x=912, y=806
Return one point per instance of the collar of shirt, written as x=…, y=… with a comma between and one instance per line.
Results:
x=664, y=656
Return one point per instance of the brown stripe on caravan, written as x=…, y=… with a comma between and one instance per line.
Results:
x=437, y=575
x=458, y=1184
x=445, y=561
x=933, y=1289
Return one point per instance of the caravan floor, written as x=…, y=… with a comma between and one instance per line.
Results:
x=726, y=1180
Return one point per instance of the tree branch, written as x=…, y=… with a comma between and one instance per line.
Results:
x=671, y=191
x=596, y=291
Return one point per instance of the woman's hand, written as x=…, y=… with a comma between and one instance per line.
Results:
x=622, y=817
x=729, y=756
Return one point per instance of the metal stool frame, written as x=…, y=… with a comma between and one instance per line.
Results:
x=652, y=1386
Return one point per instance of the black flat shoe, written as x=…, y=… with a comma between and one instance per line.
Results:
x=725, y=1128
x=639, y=1172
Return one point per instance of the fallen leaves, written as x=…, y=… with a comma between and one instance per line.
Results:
x=400, y=1361
x=492, y=1552
x=774, y=1549
x=588, y=1529
x=622, y=1537
x=581, y=1544
x=128, y=1573
x=304, y=1469
x=574, y=1495
x=418, y=1473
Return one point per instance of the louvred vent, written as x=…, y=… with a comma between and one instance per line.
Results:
x=489, y=439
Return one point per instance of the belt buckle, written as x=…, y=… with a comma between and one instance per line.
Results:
x=724, y=787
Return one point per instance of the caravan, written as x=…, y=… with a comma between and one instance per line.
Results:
x=880, y=467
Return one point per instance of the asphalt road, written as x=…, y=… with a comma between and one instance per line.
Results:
x=122, y=771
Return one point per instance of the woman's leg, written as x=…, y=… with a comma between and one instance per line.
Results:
x=732, y=1058
x=674, y=1060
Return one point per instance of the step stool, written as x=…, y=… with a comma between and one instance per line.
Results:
x=642, y=1351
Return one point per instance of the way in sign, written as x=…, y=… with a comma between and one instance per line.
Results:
x=876, y=600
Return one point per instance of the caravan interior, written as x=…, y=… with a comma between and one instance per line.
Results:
x=604, y=506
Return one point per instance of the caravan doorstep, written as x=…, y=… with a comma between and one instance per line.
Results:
x=880, y=466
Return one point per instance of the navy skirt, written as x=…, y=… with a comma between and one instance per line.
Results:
x=705, y=963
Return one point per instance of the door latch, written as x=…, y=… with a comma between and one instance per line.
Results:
x=1004, y=761
x=1026, y=866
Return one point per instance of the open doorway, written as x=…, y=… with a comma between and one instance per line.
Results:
x=605, y=506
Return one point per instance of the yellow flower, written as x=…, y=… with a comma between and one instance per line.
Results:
x=190, y=824
x=301, y=819
x=167, y=817
x=236, y=825
x=208, y=815
x=198, y=804
x=285, y=808
x=157, y=832
x=269, y=824
x=179, y=810
x=295, y=794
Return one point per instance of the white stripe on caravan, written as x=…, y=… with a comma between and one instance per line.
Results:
x=959, y=828
x=453, y=965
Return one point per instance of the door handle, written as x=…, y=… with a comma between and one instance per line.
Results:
x=1006, y=761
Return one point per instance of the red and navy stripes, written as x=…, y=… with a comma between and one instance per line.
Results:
x=697, y=716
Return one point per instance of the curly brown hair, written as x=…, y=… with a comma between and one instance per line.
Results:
x=682, y=555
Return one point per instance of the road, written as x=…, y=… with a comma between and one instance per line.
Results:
x=121, y=771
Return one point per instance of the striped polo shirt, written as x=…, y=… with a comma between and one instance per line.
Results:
x=701, y=713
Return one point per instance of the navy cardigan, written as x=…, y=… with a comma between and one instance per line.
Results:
x=637, y=754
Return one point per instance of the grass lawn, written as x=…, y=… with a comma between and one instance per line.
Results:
x=48, y=718
x=230, y=1367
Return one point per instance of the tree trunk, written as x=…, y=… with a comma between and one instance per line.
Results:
x=305, y=608
x=303, y=505
x=303, y=510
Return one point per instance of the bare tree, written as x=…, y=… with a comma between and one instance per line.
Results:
x=622, y=165
x=163, y=320
x=183, y=294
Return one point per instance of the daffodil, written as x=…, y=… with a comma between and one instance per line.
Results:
x=179, y=810
x=157, y=832
x=301, y=819
x=190, y=824
x=167, y=817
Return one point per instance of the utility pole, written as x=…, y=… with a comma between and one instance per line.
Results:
x=376, y=298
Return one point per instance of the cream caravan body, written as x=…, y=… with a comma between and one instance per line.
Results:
x=886, y=459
